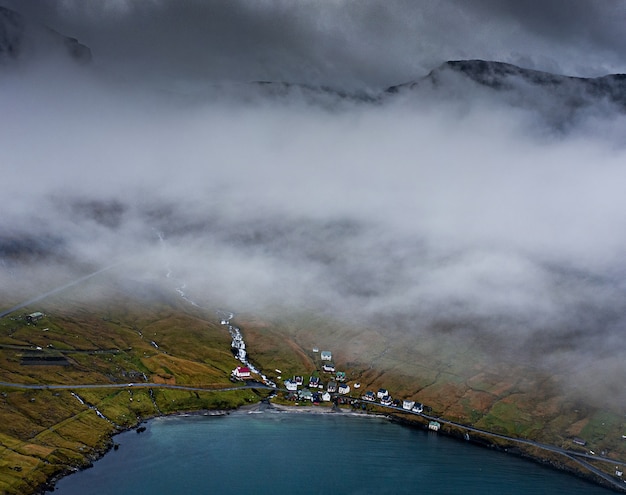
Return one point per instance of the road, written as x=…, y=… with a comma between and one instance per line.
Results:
x=29, y=386
x=578, y=457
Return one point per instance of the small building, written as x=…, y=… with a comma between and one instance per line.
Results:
x=386, y=400
x=579, y=441
x=357, y=385
x=241, y=372
x=326, y=356
x=299, y=380
x=434, y=426
x=291, y=385
x=340, y=376
x=344, y=388
x=315, y=349
x=34, y=317
x=332, y=386
x=381, y=393
x=314, y=381
x=418, y=407
x=305, y=394
x=326, y=397
x=328, y=367
x=408, y=404
x=369, y=396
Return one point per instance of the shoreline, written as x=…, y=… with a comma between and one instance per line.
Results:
x=267, y=407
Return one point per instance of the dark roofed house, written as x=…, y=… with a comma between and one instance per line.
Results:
x=328, y=367
x=369, y=395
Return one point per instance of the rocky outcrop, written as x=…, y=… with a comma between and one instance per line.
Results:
x=556, y=96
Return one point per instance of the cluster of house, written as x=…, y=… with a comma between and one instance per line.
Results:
x=316, y=392
x=383, y=397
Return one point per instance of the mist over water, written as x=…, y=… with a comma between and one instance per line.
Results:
x=434, y=206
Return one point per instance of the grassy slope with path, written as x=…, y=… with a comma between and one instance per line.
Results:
x=46, y=432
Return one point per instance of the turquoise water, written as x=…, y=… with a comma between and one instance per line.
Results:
x=274, y=453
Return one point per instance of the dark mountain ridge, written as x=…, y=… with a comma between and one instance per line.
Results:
x=503, y=77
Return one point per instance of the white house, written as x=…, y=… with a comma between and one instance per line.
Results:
x=434, y=425
x=241, y=372
x=344, y=388
x=326, y=356
x=291, y=385
x=326, y=397
x=408, y=404
x=328, y=367
x=381, y=393
x=418, y=407
x=386, y=400
x=369, y=395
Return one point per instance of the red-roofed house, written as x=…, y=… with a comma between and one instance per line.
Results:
x=241, y=372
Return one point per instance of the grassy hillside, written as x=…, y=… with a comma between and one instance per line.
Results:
x=159, y=338
x=46, y=432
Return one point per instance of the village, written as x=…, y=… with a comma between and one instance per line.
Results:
x=324, y=385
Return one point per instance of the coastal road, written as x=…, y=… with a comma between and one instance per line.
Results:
x=578, y=457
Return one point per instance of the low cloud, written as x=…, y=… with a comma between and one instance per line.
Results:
x=433, y=208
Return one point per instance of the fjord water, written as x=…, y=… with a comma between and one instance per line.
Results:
x=276, y=453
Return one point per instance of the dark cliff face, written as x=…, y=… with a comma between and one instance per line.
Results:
x=501, y=76
x=20, y=38
x=524, y=87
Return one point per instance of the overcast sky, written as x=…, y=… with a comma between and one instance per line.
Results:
x=452, y=205
x=339, y=42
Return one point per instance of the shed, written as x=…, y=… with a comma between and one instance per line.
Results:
x=434, y=426
x=34, y=317
x=326, y=356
